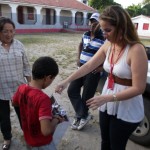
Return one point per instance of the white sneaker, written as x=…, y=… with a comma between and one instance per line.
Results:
x=75, y=124
x=83, y=122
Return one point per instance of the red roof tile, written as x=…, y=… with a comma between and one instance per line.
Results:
x=59, y=3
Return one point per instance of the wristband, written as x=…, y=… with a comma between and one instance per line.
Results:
x=115, y=98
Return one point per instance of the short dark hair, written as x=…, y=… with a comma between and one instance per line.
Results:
x=4, y=20
x=44, y=66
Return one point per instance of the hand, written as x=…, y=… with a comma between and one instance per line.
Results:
x=61, y=119
x=98, y=69
x=96, y=102
x=60, y=87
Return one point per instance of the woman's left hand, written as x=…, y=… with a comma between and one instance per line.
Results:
x=96, y=102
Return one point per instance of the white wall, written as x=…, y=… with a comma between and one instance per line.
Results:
x=140, y=21
x=6, y=11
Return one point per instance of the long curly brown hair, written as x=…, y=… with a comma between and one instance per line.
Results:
x=121, y=20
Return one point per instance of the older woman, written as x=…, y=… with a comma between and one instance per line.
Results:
x=124, y=57
x=14, y=70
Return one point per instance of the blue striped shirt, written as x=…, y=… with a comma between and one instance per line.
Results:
x=90, y=46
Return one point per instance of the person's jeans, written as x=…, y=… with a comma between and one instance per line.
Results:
x=114, y=132
x=5, y=123
x=78, y=100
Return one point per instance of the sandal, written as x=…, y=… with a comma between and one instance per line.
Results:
x=6, y=146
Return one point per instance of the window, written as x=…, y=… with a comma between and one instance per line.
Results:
x=145, y=26
x=136, y=25
x=84, y=1
x=30, y=13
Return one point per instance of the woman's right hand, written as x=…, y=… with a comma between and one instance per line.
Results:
x=61, y=86
x=97, y=101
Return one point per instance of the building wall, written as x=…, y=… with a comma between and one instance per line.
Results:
x=52, y=14
x=140, y=22
x=65, y=17
x=5, y=11
x=43, y=22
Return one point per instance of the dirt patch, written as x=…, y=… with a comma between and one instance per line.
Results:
x=63, y=48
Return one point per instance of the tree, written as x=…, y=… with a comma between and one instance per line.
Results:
x=146, y=10
x=134, y=10
x=101, y=4
x=146, y=2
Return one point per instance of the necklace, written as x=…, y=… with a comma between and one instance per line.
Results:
x=112, y=63
x=5, y=44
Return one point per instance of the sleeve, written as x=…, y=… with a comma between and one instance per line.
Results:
x=45, y=108
x=26, y=64
x=82, y=41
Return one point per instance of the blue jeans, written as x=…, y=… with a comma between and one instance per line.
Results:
x=5, y=123
x=78, y=100
x=114, y=132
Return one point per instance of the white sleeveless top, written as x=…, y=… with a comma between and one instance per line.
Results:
x=131, y=110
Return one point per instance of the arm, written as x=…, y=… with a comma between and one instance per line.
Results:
x=48, y=126
x=48, y=121
x=28, y=78
x=15, y=98
x=27, y=70
x=79, y=53
x=26, y=66
x=98, y=69
x=137, y=60
x=94, y=62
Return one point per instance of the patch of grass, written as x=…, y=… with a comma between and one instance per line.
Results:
x=35, y=40
x=68, y=56
x=62, y=47
x=43, y=38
